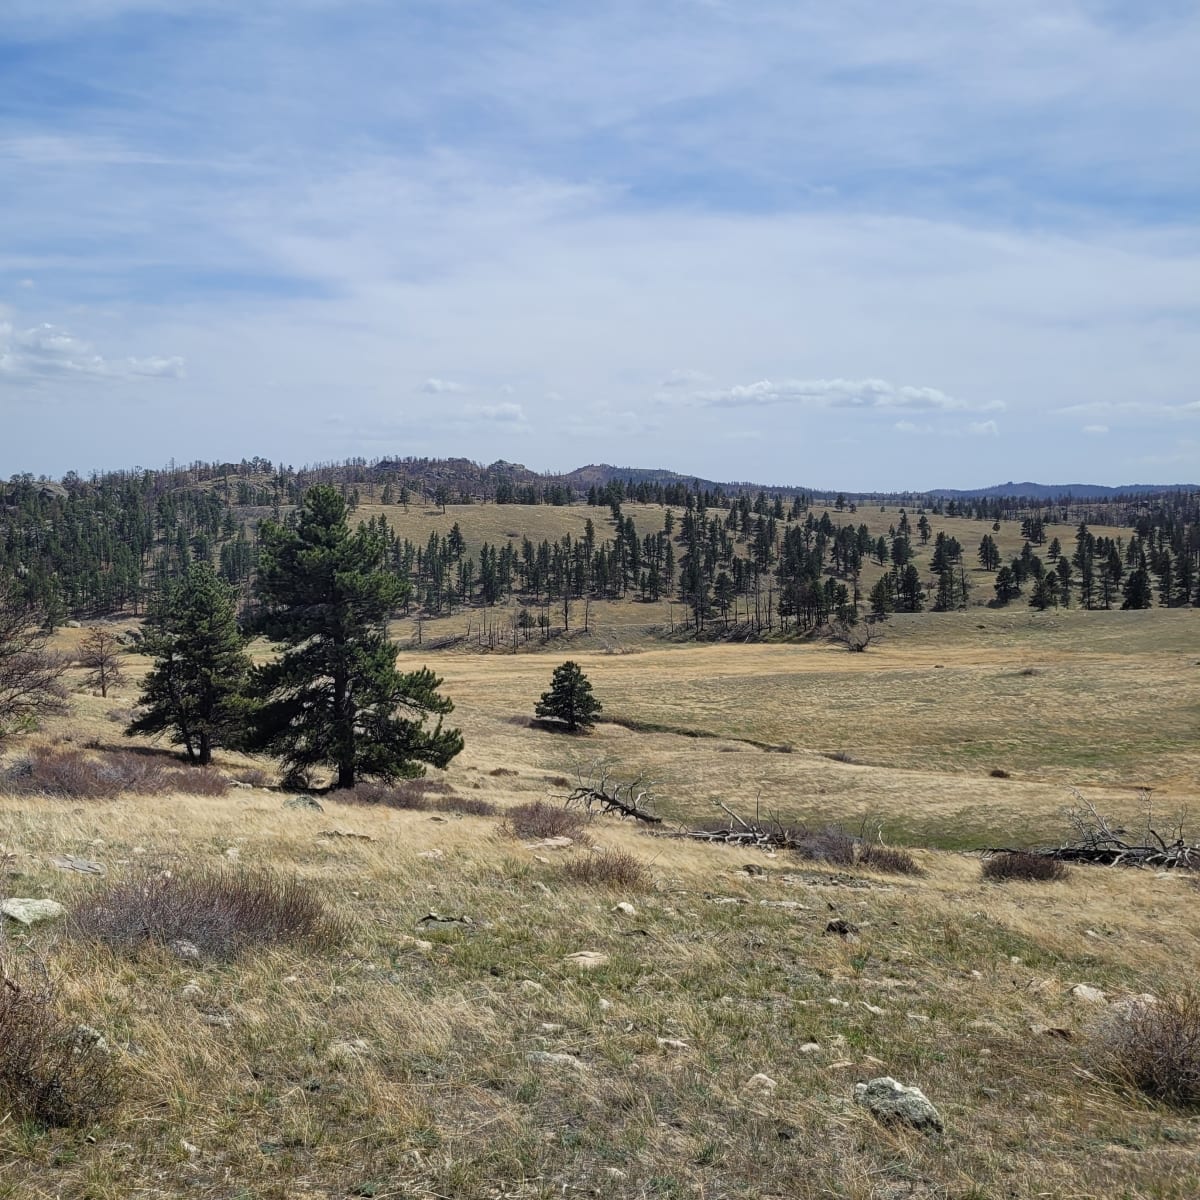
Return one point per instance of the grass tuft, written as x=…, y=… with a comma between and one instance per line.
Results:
x=220, y=913
x=1155, y=1046
x=610, y=869
x=541, y=820
x=52, y=1072
x=1019, y=864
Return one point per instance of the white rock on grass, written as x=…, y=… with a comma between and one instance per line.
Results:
x=890, y=1101
x=586, y=960
x=185, y=949
x=759, y=1085
x=544, y=1058
x=32, y=912
x=1088, y=994
x=625, y=909
x=810, y=1048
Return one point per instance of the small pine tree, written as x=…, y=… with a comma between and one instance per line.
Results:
x=570, y=698
x=194, y=689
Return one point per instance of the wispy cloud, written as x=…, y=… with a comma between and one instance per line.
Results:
x=441, y=387
x=837, y=393
x=46, y=354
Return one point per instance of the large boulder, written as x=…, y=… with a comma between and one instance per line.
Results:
x=32, y=912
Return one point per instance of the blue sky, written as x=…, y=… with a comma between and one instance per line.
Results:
x=858, y=245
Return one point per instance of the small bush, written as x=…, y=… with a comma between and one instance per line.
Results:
x=997, y=773
x=411, y=794
x=254, y=777
x=1155, y=1046
x=501, y=771
x=541, y=820
x=1019, y=864
x=220, y=913
x=889, y=860
x=51, y=1071
x=608, y=868
x=78, y=775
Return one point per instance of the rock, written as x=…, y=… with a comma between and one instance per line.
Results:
x=544, y=1058
x=809, y=1048
x=531, y=987
x=604, y=1005
x=841, y=928
x=346, y=1050
x=1088, y=994
x=920, y=1018
x=233, y=854
x=218, y=1020
x=874, y=1009
x=550, y=1027
x=185, y=949
x=431, y=854
x=834, y=1002
x=72, y=625
x=1054, y=1031
x=84, y=866
x=754, y=869
x=625, y=909
x=85, y=1038
x=671, y=1044
x=586, y=960
x=760, y=1084
x=1133, y=1006
x=32, y=912
x=302, y=802
x=890, y=1101
x=191, y=990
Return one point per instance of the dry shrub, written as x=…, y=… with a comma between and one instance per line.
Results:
x=541, y=820
x=501, y=771
x=412, y=794
x=1155, y=1046
x=888, y=860
x=254, y=777
x=608, y=868
x=51, y=1071
x=219, y=912
x=78, y=775
x=831, y=845
x=1019, y=864
x=998, y=773
x=471, y=806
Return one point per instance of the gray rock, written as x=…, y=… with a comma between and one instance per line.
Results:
x=185, y=949
x=890, y=1101
x=32, y=912
x=304, y=802
x=87, y=1038
x=544, y=1058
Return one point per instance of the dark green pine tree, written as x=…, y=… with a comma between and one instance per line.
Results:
x=334, y=696
x=1137, y=591
x=570, y=698
x=195, y=689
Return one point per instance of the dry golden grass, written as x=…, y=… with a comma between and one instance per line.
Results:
x=395, y=1063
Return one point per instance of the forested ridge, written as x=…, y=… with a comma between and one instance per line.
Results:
x=737, y=559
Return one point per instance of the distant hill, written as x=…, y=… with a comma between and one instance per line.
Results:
x=1054, y=491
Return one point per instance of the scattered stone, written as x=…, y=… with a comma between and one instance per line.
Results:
x=84, y=866
x=87, y=1038
x=182, y=948
x=984, y=1025
x=346, y=1050
x=32, y=912
x=586, y=960
x=625, y=909
x=890, y=1101
x=842, y=928
x=754, y=869
x=218, y=1020
x=544, y=1058
x=233, y=854
x=1054, y=1031
x=874, y=1009
x=188, y=1148
x=760, y=1084
x=531, y=987
x=1088, y=994
x=303, y=802
x=604, y=1005
x=809, y=1048
x=920, y=1018
x=672, y=1044
x=551, y=1027
x=433, y=920
x=191, y=990
x=834, y=1002
x=431, y=854
x=1133, y=1006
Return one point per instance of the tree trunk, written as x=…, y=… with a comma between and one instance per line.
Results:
x=205, y=755
x=345, y=776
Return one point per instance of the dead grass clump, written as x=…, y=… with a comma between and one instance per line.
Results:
x=1019, y=864
x=542, y=820
x=608, y=868
x=502, y=771
x=78, y=775
x=1155, y=1046
x=831, y=845
x=51, y=1071
x=412, y=794
x=253, y=777
x=219, y=913
x=470, y=806
x=844, y=756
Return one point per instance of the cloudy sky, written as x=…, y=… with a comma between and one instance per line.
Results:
x=857, y=244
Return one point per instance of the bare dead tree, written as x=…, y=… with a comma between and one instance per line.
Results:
x=856, y=636
x=30, y=674
x=100, y=654
x=598, y=791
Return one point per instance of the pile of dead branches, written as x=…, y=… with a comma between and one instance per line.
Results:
x=771, y=835
x=1097, y=839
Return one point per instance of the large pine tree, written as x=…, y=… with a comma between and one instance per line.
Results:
x=194, y=690
x=334, y=696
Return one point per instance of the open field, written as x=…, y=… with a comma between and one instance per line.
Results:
x=395, y=1062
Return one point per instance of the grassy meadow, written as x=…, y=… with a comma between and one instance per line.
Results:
x=409, y=1057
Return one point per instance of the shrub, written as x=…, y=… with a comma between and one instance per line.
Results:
x=1020, y=864
x=218, y=912
x=77, y=775
x=890, y=860
x=254, y=777
x=51, y=1071
x=471, y=806
x=1155, y=1046
x=998, y=773
x=608, y=868
x=542, y=820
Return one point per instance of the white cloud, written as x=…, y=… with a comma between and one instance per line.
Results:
x=46, y=353
x=1095, y=429
x=683, y=377
x=837, y=393
x=441, y=387
x=912, y=427
x=504, y=414
x=984, y=429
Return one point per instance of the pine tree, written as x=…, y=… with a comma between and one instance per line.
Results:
x=570, y=698
x=100, y=654
x=334, y=696
x=1137, y=590
x=194, y=690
